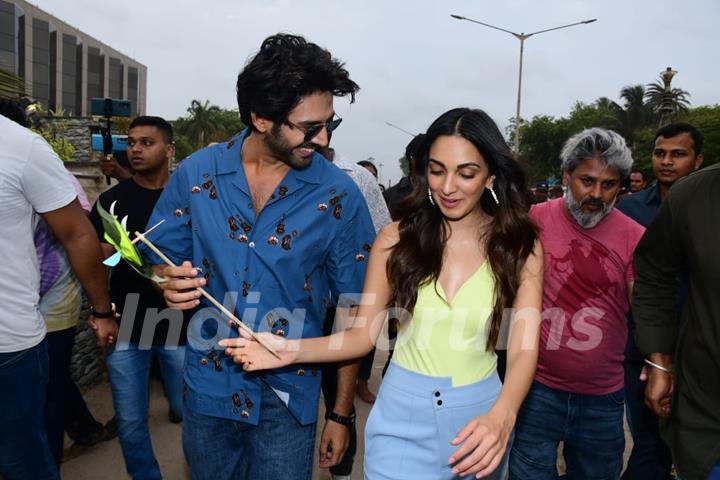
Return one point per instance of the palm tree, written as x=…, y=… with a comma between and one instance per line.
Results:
x=634, y=114
x=610, y=113
x=202, y=121
x=637, y=111
x=671, y=103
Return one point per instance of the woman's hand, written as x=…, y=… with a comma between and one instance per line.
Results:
x=253, y=356
x=484, y=440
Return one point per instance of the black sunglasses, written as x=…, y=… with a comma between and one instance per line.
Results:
x=313, y=130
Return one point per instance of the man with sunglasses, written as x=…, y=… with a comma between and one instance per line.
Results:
x=264, y=223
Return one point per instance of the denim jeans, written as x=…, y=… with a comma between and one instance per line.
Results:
x=591, y=427
x=60, y=344
x=223, y=449
x=715, y=473
x=24, y=451
x=129, y=369
x=650, y=456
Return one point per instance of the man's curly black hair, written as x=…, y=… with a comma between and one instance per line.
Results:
x=286, y=69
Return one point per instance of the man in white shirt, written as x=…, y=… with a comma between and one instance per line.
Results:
x=33, y=180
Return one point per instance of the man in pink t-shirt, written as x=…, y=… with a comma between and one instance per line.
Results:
x=577, y=397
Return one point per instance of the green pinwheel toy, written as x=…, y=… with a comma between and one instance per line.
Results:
x=116, y=234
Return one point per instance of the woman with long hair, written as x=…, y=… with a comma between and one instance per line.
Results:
x=463, y=264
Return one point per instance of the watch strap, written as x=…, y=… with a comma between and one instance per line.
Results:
x=347, y=421
x=101, y=314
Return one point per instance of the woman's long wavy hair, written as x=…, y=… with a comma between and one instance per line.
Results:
x=418, y=256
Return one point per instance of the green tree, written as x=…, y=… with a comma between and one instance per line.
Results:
x=707, y=120
x=204, y=124
x=50, y=125
x=202, y=121
x=635, y=114
x=229, y=125
x=642, y=147
x=636, y=118
x=676, y=100
x=183, y=147
x=598, y=114
x=541, y=141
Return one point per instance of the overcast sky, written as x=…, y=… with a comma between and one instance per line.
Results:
x=411, y=60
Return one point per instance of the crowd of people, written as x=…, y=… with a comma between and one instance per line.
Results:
x=515, y=322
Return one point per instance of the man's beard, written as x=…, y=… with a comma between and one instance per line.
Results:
x=587, y=220
x=279, y=147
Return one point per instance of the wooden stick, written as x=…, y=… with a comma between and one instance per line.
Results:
x=218, y=305
x=134, y=240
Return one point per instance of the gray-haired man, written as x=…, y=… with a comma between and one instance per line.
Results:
x=577, y=397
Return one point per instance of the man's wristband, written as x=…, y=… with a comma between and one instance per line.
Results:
x=659, y=367
x=347, y=421
x=101, y=314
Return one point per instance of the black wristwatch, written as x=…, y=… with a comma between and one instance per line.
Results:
x=347, y=421
x=109, y=314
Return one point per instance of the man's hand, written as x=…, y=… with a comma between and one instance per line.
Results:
x=181, y=287
x=111, y=168
x=658, y=391
x=106, y=330
x=334, y=441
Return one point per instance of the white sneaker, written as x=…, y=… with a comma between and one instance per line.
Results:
x=340, y=477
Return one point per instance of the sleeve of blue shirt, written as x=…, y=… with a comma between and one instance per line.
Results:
x=349, y=252
x=174, y=236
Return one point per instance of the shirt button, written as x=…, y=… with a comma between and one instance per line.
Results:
x=437, y=394
x=439, y=402
x=251, y=244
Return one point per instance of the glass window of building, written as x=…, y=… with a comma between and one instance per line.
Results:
x=53, y=44
x=115, y=82
x=41, y=61
x=8, y=37
x=12, y=38
x=132, y=90
x=71, y=68
x=95, y=74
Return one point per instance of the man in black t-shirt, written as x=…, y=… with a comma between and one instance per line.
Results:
x=147, y=327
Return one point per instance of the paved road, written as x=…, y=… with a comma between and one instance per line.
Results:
x=105, y=460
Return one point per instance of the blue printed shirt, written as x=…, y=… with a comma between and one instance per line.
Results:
x=277, y=270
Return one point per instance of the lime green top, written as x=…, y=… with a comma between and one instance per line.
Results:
x=448, y=340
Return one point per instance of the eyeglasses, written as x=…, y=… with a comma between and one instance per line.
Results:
x=313, y=130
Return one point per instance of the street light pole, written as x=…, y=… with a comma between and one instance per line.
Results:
x=517, y=108
x=522, y=37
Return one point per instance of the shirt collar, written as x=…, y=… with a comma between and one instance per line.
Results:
x=653, y=195
x=229, y=161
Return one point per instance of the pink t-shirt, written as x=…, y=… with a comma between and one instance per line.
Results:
x=585, y=300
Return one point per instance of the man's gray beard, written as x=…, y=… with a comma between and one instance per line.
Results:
x=586, y=220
